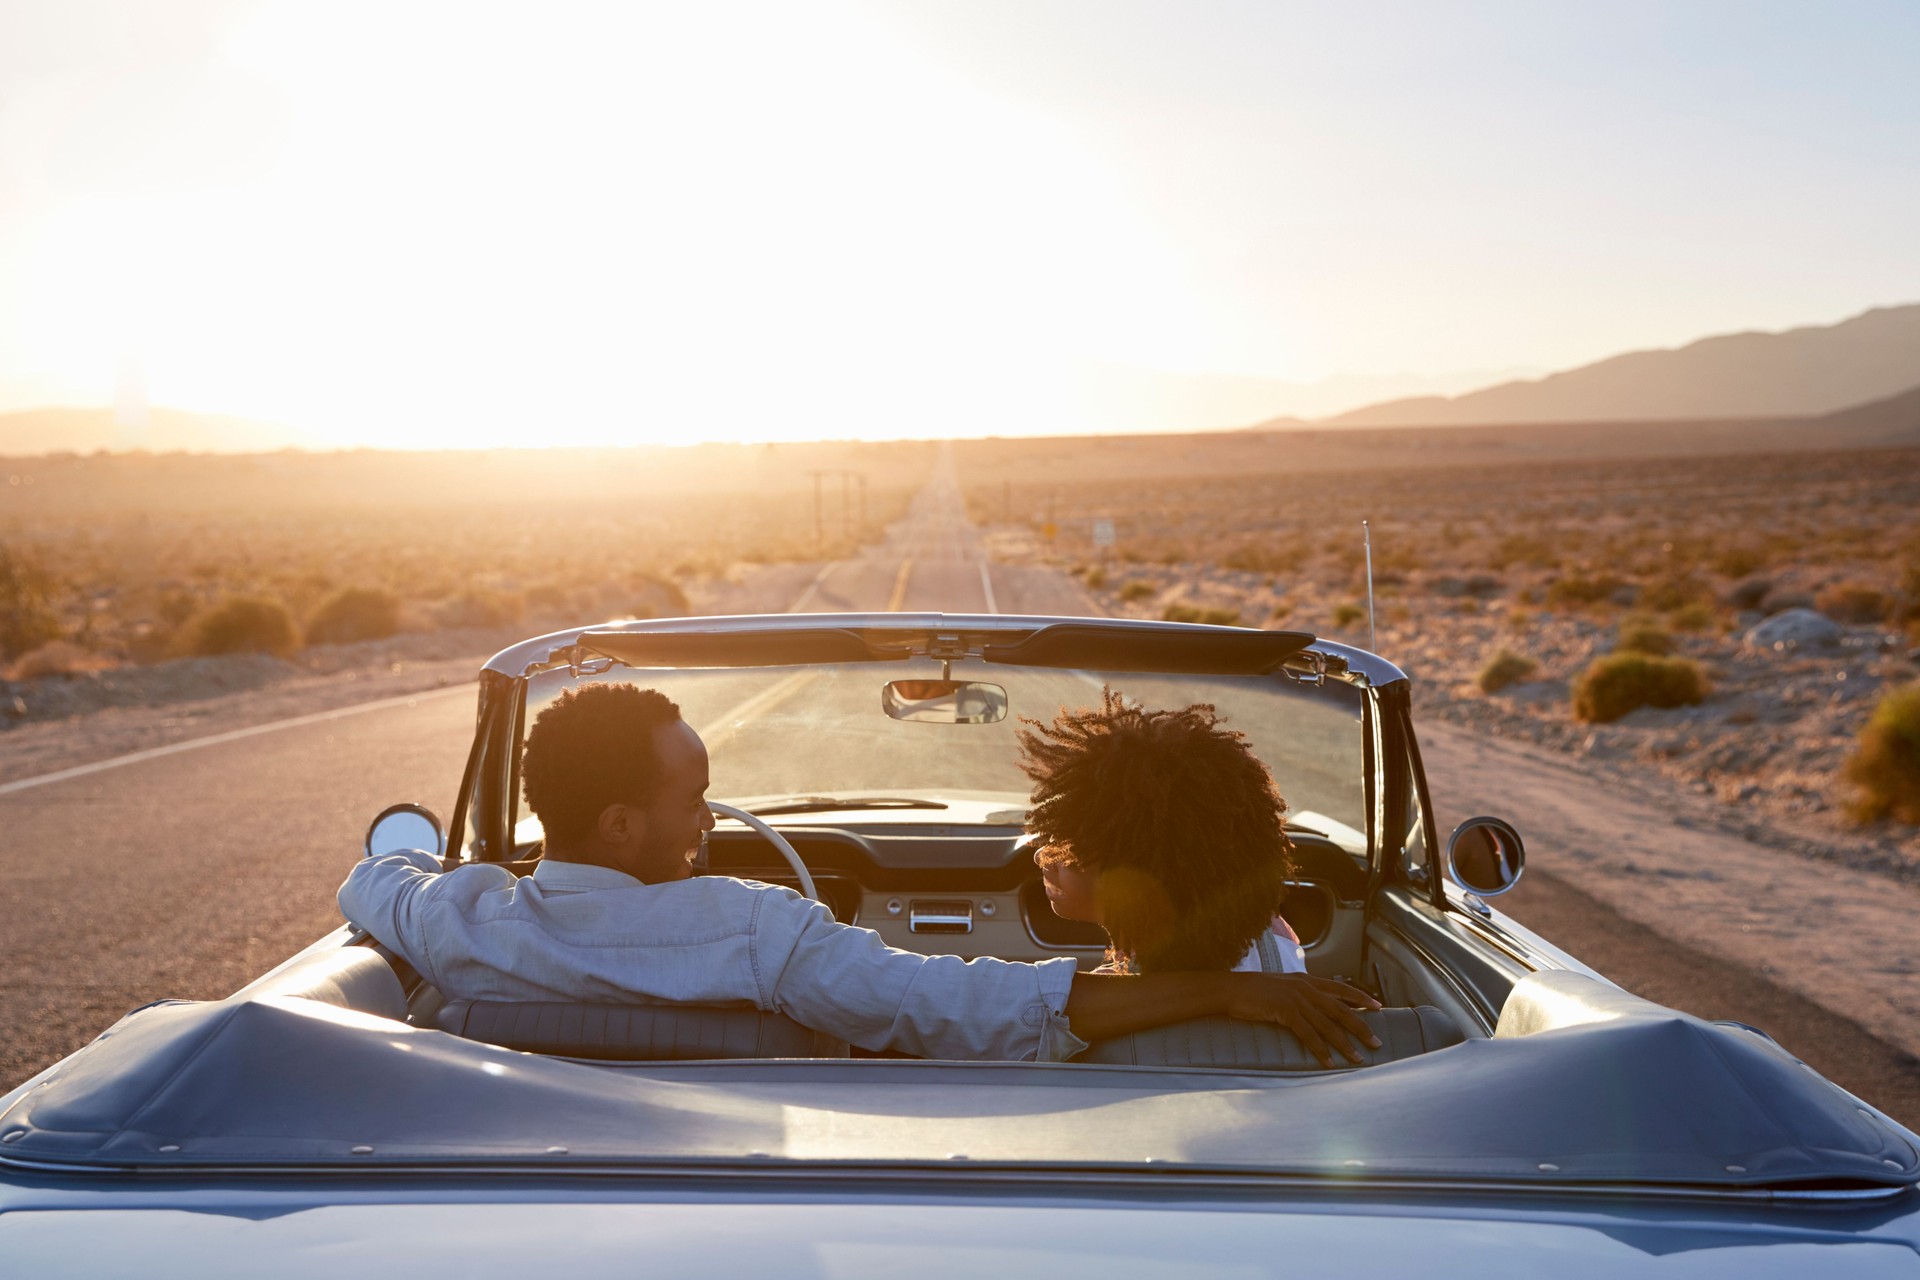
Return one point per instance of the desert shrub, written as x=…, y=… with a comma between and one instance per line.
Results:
x=662, y=596
x=1644, y=638
x=1854, y=602
x=1886, y=763
x=355, y=613
x=1266, y=557
x=1137, y=590
x=1505, y=668
x=1674, y=591
x=27, y=620
x=1579, y=588
x=1519, y=619
x=1737, y=562
x=1095, y=577
x=1347, y=613
x=479, y=608
x=1697, y=616
x=54, y=658
x=1522, y=548
x=1281, y=609
x=1750, y=594
x=1200, y=613
x=1618, y=683
x=244, y=624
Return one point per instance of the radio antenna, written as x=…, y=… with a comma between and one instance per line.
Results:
x=1366, y=541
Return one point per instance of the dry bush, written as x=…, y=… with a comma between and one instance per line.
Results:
x=1281, y=610
x=1505, y=668
x=479, y=607
x=1094, y=576
x=1582, y=589
x=55, y=658
x=1644, y=638
x=356, y=613
x=1698, y=616
x=244, y=624
x=1886, y=763
x=1137, y=590
x=1618, y=683
x=1737, y=562
x=1749, y=594
x=1347, y=613
x=1855, y=603
x=1200, y=613
x=1674, y=591
x=27, y=620
x=1266, y=557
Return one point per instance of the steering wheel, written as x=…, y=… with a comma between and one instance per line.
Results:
x=778, y=841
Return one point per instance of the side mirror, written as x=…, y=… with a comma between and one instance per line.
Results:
x=1484, y=856
x=944, y=701
x=406, y=826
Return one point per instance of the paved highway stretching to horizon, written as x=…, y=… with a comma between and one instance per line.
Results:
x=183, y=873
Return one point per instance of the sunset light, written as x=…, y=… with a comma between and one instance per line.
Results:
x=446, y=224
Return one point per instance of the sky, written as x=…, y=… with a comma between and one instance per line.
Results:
x=470, y=224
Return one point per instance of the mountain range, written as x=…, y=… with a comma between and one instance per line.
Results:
x=1799, y=373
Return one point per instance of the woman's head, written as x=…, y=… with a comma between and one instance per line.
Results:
x=1161, y=825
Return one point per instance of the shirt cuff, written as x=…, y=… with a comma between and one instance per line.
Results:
x=1057, y=1041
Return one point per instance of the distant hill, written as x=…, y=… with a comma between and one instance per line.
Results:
x=1895, y=420
x=1798, y=373
x=40, y=431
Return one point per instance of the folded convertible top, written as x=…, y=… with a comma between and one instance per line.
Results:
x=1589, y=1086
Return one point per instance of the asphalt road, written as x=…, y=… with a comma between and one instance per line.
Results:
x=187, y=874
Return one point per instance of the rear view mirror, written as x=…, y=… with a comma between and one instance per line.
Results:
x=405, y=826
x=944, y=701
x=1484, y=856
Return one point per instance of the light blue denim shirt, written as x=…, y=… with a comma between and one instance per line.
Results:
x=572, y=931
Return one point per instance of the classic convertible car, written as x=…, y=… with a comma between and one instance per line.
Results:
x=1522, y=1115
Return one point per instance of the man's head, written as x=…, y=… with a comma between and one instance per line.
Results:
x=1161, y=825
x=617, y=778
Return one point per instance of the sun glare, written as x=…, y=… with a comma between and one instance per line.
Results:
x=794, y=234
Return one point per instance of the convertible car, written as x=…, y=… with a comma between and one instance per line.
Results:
x=1523, y=1115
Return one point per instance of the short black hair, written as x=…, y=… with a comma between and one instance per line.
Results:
x=591, y=748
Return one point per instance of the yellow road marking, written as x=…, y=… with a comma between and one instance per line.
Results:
x=900, y=586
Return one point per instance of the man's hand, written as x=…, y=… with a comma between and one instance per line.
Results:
x=1319, y=1011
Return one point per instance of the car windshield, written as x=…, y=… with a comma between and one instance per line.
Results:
x=811, y=736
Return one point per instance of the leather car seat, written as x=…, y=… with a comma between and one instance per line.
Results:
x=1229, y=1042
x=636, y=1033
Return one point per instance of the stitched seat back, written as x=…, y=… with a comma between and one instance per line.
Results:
x=1229, y=1042
x=636, y=1033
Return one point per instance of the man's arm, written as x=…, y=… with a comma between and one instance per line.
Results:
x=1317, y=1010
x=380, y=895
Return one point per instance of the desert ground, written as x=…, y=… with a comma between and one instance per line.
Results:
x=1473, y=536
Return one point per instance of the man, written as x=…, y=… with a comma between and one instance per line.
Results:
x=614, y=915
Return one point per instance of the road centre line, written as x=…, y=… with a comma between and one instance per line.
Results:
x=900, y=586
x=231, y=735
x=986, y=588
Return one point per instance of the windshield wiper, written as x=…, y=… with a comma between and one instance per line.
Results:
x=820, y=804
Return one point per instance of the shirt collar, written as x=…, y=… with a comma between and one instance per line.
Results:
x=551, y=874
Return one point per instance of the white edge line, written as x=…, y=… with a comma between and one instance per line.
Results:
x=806, y=597
x=986, y=586
x=231, y=735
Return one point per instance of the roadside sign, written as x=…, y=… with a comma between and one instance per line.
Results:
x=1103, y=533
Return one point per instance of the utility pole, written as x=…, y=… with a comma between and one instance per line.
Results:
x=819, y=534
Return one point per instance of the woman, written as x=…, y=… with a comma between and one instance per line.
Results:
x=1164, y=828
